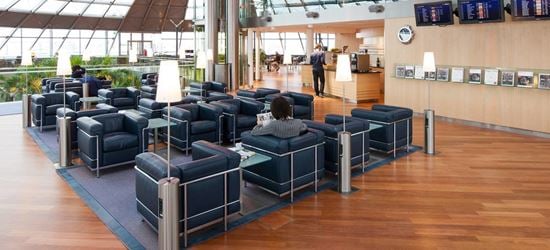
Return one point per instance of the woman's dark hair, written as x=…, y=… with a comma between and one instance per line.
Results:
x=280, y=108
x=75, y=67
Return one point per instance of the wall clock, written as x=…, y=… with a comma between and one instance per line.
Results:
x=405, y=34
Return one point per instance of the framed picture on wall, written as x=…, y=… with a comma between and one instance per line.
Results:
x=491, y=77
x=443, y=74
x=474, y=76
x=508, y=78
x=409, y=72
x=457, y=75
x=431, y=76
x=418, y=72
x=544, y=81
x=400, y=71
x=525, y=79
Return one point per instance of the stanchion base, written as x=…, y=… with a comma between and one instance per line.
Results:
x=58, y=166
x=353, y=190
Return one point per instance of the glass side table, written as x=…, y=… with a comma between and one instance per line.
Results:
x=89, y=100
x=155, y=124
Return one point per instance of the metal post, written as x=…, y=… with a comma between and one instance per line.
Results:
x=344, y=170
x=65, y=157
x=26, y=99
x=85, y=93
x=429, y=131
x=168, y=194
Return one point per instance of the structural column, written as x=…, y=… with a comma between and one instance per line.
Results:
x=250, y=57
x=257, y=50
x=211, y=28
x=309, y=44
x=233, y=41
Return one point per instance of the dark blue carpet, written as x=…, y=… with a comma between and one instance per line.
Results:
x=112, y=197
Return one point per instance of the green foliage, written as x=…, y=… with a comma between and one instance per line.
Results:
x=76, y=60
x=47, y=62
x=122, y=77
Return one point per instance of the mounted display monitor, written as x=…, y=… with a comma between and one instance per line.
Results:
x=434, y=13
x=480, y=11
x=530, y=9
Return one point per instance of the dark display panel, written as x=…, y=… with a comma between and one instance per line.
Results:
x=435, y=13
x=480, y=11
x=530, y=9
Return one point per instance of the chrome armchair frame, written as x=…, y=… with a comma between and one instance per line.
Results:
x=185, y=217
x=97, y=156
x=292, y=179
x=395, y=148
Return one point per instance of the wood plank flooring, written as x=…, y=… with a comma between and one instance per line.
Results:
x=483, y=190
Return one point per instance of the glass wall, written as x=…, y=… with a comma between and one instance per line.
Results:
x=292, y=42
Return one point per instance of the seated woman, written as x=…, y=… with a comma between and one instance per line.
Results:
x=284, y=126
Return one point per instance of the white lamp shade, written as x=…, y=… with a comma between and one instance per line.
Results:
x=64, y=64
x=132, y=57
x=429, y=62
x=343, y=69
x=168, y=89
x=287, y=59
x=86, y=57
x=210, y=55
x=26, y=58
x=201, y=60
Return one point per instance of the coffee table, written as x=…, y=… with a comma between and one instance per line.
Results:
x=88, y=100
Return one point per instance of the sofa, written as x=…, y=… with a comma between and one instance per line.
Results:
x=302, y=104
x=397, y=127
x=44, y=107
x=239, y=116
x=332, y=126
x=121, y=98
x=100, y=109
x=110, y=140
x=258, y=95
x=295, y=162
x=208, y=184
x=194, y=122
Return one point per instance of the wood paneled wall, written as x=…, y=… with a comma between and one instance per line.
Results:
x=500, y=45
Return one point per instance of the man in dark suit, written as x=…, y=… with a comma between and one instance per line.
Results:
x=317, y=61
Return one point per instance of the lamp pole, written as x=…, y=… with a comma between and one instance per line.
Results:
x=429, y=113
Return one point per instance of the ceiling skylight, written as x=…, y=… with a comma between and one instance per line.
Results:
x=87, y=8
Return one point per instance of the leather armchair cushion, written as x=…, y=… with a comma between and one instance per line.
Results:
x=270, y=98
x=246, y=121
x=111, y=122
x=123, y=101
x=266, y=142
x=267, y=91
x=301, y=99
x=119, y=92
x=300, y=110
x=203, y=149
x=107, y=107
x=193, y=110
x=247, y=93
x=119, y=141
x=52, y=109
x=218, y=87
x=155, y=166
x=199, y=127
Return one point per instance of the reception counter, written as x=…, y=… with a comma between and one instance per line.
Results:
x=363, y=87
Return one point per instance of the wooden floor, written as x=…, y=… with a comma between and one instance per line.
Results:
x=483, y=190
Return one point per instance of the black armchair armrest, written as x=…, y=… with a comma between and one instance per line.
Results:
x=66, y=112
x=134, y=123
x=90, y=126
x=201, y=168
x=204, y=149
x=301, y=99
x=38, y=99
x=133, y=93
x=105, y=93
x=178, y=113
x=155, y=166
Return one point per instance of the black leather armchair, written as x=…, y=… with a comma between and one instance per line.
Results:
x=44, y=107
x=148, y=92
x=101, y=109
x=121, y=98
x=302, y=104
x=110, y=140
x=149, y=79
x=239, y=116
x=153, y=109
x=194, y=122
x=258, y=95
x=295, y=162
x=332, y=126
x=209, y=187
x=397, y=124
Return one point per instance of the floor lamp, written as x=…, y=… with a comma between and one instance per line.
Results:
x=429, y=114
x=343, y=75
x=168, y=188
x=26, y=60
x=64, y=123
x=202, y=63
x=287, y=60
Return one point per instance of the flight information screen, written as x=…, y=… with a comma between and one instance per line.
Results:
x=531, y=9
x=479, y=11
x=435, y=13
